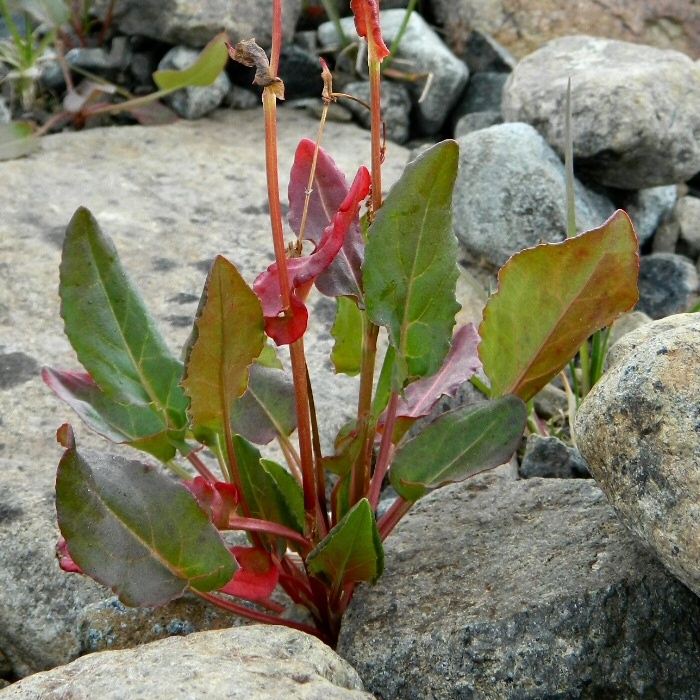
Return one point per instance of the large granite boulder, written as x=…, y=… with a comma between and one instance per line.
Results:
x=525, y=25
x=496, y=588
x=635, y=109
x=638, y=431
x=251, y=663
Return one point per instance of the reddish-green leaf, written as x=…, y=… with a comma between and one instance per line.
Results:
x=285, y=328
x=257, y=578
x=113, y=334
x=137, y=531
x=550, y=299
x=203, y=72
x=458, y=444
x=329, y=189
x=410, y=270
x=219, y=500
x=459, y=366
x=351, y=552
x=142, y=427
x=267, y=409
x=228, y=337
x=367, y=24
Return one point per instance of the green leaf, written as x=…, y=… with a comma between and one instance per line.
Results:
x=410, y=269
x=203, y=72
x=142, y=427
x=268, y=407
x=16, y=140
x=137, y=531
x=351, y=552
x=227, y=338
x=113, y=334
x=550, y=299
x=346, y=355
x=270, y=491
x=268, y=357
x=458, y=444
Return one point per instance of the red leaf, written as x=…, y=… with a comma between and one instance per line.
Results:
x=219, y=499
x=460, y=365
x=287, y=326
x=367, y=25
x=65, y=561
x=257, y=577
x=329, y=190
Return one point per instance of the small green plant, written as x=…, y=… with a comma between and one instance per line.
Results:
x=151, y=538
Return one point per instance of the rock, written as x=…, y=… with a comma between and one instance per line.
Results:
x=667, y=284
x=176, y=22
x=255, y=663
x=522, y=26
x=483, y=54
x=5, y=114
x=99, y=60
x=551, y=402
x=687, y=214
x=475, y=121
x=396, y=108
x=530, y=589
x=510, y=193
x=193, y=102
x=637, y=430
x=242, y=98
x=635, y=109
x=484, y=93
x=550, y=458
x=171, y=197
x=301, y=72
x=421, y=51
x=110, y=625
x=626, y=323
x=647, y=209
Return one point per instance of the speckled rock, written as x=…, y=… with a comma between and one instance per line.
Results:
x=635, y=109
x=638, y=429
x=668, y=284
x=522, y=590
x=250, y=663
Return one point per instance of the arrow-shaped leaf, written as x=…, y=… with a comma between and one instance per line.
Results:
x=113, y=334
x=458, y=444
x=351, y=552
x=550, y=299
x=410, y=270
x=137, y=531
x=329, y=189
x=203, y=72
x=142, y=427
x=228, y=337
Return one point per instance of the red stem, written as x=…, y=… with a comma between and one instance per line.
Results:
x=201, y=468
x=391, y=518
x=268, y=527
x=259, y=616
x=382, y=465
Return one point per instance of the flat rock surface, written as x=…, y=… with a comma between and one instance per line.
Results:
x=497, y=588
x=253, y=663
x=171, y=198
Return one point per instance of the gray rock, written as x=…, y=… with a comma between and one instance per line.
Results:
x=396, y=108
x=177, y=22
x=484, y=93
x=527, y=589
x=171, y=197
x=420, y=51
x=687, y=214
x=624, y=324
x=510, y=193
x=647, y=209
x=550, y=458
x=635, y=109
x=253, y=663
x=638, y=429
x=193, y=102
x=301, y=72
x=242, y=98
x=475, y=121
x=483, y=54
x=667, y=283
x=99, y=60
x=5, y=114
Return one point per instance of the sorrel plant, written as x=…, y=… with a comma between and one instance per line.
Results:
x=151, y=538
